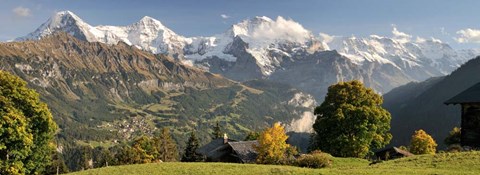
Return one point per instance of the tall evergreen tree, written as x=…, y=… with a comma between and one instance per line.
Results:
x=217, y=132
x=190, y=154
x=167, y=148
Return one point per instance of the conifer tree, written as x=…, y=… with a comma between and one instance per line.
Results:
x=190, y=154
x=217, y=133
x=167, y=148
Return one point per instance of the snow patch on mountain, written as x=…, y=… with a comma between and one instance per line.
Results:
x=148, y=33
x=63, y=21
x=268, y=41
x=263, y=36
x=400, y=51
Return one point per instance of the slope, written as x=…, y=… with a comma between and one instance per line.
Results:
x=421, y=105
x=106, y=93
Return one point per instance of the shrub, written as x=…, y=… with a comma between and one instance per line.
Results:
x=316, y=159
x=454, y=137
x=422, y=143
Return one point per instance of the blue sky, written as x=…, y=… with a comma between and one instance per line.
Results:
x=441, y=19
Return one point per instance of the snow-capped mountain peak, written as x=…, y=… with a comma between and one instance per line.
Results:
x=59, y=16
x=148, y=33
x=399, y=50
x=246, y=26
x=65, y=21
x=149, y=22
x=266, y=43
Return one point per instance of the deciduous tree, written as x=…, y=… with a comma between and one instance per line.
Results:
x=351, y=122
x=26, y=128
x=272, y=145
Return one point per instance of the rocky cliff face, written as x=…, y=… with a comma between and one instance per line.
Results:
x=105, y=93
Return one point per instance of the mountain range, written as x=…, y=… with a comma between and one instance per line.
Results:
x=260, y=70
x=280, y=50
x=102, y=93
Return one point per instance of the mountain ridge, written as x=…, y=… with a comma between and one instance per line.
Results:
x=260, y=47
x=422, y=104
x=102, y=93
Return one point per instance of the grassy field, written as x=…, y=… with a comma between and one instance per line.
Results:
x=443, y=163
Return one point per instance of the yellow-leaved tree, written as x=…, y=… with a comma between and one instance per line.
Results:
x=422, y=143
x=272, y=146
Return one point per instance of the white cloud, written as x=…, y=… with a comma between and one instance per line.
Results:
x=21, y=11
x=224, y=16
x=400, y=36
x=326, y=37
x=468, y=36
x=303, y=124
x=281, y=28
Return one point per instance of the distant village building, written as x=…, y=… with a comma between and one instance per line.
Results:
x=391, y=153
x=228, y=150
x=470, y=127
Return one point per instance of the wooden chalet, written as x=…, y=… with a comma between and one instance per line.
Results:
x=227, y=150
x=470, y=102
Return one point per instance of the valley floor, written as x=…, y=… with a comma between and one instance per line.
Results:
x=442, y=163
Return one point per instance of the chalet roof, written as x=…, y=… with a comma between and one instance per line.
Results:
x=245, y=150
x=403, y=152
x=394, y=149
x=471, y=95
x=213, y=147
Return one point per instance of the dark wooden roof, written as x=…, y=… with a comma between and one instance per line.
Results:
x=214, y=148
x=245, y=150
x=471, y=95
x=217, y=150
